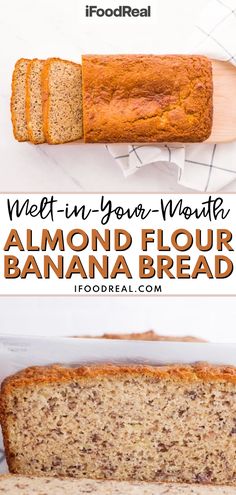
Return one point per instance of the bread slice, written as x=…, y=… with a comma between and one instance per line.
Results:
x=62, y=101
x=18, y=100
x=27, y=485
x=34, y=103
x=129, y=423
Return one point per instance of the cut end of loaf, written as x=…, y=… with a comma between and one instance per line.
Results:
x=154, y=424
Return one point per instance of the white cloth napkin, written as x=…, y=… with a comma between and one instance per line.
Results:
x=203, y=167
x=3, y=466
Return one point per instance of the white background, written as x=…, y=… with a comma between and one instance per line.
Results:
x=57, y=28
x=201, y=285
x=207, y=317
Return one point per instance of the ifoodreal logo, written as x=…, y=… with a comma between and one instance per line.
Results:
x=121, y=11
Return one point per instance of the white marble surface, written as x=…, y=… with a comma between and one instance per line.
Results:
x=58, y=28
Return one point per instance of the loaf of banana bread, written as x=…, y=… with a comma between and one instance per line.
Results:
x=129, y=423
x=147, y=98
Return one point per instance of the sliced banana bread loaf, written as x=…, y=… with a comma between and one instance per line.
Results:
x=34, y=103
x=62, y=101
x=27, y=485
x=163, y=424
x=18, y=100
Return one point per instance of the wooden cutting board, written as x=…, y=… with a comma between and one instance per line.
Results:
x=224, y=101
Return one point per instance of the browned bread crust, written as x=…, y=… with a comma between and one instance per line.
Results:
x=150, y=335
x=57, y=373
x=47, y=106
x=147, y=98
x=18, y=103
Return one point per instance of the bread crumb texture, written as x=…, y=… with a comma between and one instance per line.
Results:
x=147, y=98
x=18, y=100
x=34, y=103
x=27, y=485
x=62, y=101
x=127, y=423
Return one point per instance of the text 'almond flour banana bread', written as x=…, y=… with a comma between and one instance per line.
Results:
x=34, y=103
x=62, y=101
x=18, y=100
x=147, y=98
x=129, y=423
x=28, y=485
